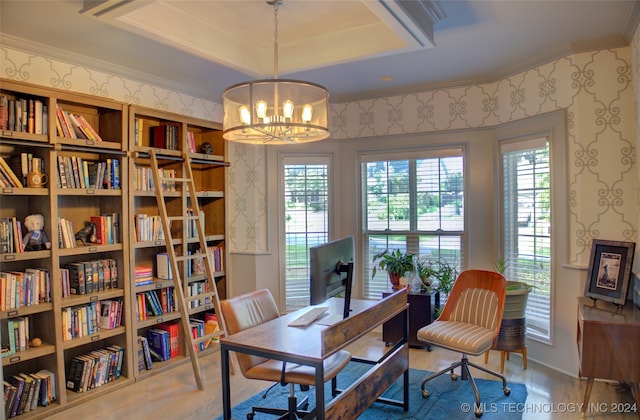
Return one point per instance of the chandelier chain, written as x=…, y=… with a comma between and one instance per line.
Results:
x=275, y=40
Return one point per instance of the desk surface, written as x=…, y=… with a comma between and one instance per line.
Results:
x=303, y=342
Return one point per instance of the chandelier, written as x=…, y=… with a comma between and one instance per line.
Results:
x=275, y=111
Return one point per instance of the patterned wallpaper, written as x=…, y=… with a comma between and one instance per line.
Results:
x=595, y=88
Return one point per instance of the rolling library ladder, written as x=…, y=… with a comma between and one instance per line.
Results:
x=186, y=179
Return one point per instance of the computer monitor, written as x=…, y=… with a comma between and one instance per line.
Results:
x=332, y=271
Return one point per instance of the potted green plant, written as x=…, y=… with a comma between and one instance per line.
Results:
x=395, y=263
x=445, y=275
x=427, y=273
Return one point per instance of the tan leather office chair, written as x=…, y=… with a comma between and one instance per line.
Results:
x=251, y=309
x=469, y=324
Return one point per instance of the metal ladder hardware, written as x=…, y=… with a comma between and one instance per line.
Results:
x=179, y=256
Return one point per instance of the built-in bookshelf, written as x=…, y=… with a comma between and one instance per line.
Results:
x=170, y=135
x=82, y=163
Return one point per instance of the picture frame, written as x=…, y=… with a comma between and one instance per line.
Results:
x=609, y=270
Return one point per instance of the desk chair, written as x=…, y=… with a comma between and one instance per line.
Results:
x=254, y=308
x=469, y=324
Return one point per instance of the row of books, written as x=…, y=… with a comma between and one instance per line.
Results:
x=198, y=288
x=143, y=275
x=66, y=235
x=144, y=355
x=94, y=369
x=148, y=228
x=11, y=240
x=155, y=303
x=27, y=288
x=192, y=224
x=107, y=228
x=85, y=277
x=139, y=137
x=25, y=392
x=165, y=136
x=159, y=344
x=74, y=126
x=91, y=318
x=75, y=172
x=15, y=338
x=27, y=115
x=143, y=179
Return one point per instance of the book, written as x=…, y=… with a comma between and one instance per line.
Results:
x=113, y=264
x=144, y=355
x=51, y=392
x=38, y=120
x=10, y=392
x=173, y=329
x=158, y=136
x=77, y=282
x=159, y=344
x=37, y=383
x=4, y=112
x=163, y=268
x=17, y=382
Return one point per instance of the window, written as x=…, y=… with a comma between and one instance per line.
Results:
x=306, y=221
x=414, y=203
x=527, y=226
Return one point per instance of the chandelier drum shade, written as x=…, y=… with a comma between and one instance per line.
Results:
x=275, y=111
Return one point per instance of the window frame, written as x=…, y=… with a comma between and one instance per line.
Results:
x=301, y=159
x=412, y=234
x=553, y=126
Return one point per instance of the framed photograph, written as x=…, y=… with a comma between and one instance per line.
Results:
x=609, y=270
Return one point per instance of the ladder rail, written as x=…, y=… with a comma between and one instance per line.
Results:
x=180, y=286
x=209, y=269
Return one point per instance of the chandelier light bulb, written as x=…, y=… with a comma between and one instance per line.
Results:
x=287, y=108
x=261, y=109
x=245, y=115
x=307, y=112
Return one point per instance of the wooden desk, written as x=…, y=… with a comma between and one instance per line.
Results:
x=609, y=344
x=312, y=345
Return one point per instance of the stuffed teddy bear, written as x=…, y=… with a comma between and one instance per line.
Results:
x=37, y=238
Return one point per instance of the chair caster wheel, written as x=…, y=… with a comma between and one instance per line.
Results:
x=250, y=416
x=454, y=377
x=478, y=413
x=506, y=390
x=425, y=393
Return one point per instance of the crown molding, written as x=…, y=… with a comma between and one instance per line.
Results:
x=20, y=44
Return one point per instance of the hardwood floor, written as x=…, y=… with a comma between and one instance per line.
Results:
x=174, y=395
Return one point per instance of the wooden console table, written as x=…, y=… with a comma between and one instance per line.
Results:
x=609, y=344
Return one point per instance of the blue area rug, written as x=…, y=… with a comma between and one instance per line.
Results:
x=447, y=399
